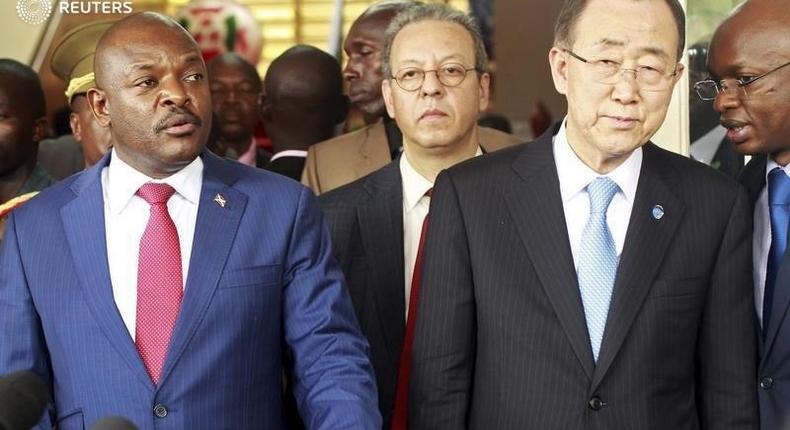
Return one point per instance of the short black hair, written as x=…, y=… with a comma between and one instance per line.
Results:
x=27, y=80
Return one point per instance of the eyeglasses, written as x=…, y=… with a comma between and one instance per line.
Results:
x=649, y=78
x=450, y=75
x=709, y=89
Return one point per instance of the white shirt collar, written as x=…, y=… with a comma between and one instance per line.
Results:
x=574, y=175
x=123, y=181
x=415, y=185
x=771, y=165
x=289, y=153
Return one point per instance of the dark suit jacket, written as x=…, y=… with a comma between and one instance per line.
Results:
x=261, y=281
x=774, y=369
x=365, y=219
x=287, y=166
x=501, y=340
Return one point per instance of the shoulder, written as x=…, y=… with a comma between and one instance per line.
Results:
x=337, y=146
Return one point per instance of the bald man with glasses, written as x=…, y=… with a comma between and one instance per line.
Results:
x=748, y=64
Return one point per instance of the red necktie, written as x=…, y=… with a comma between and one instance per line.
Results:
x=159, y=280
x=400, y=412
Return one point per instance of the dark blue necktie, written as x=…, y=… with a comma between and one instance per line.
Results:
x=778, y=201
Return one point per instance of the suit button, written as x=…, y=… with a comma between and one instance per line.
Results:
x=160, y=410
x=766, y=383
x=596, y=403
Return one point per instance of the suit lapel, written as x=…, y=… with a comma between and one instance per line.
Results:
x=381, y=230
x=753, y=178
x=535, y=204
x=215, y=232
x=88, y=245
x=646, y=243
x=374, y=150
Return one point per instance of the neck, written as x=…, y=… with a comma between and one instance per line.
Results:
x=239, y=145
x=781, y=158
x=428, y=162
x=12, y=181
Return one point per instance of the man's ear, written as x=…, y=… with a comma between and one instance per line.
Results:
x=559, y=69
x=484, y=91
x=97, y=100
x=76, y=126
x=40, y=126
x=386, y=92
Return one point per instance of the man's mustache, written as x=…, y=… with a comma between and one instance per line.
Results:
x=176, y=117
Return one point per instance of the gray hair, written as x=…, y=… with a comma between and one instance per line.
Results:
x=434, y=12
x=572, y=10
x=394, y=6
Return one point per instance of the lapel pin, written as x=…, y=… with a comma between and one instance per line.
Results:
x=221, y=200
x=658, y=211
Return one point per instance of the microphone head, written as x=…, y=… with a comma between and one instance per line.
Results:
x=113, y=423
x=23, y=399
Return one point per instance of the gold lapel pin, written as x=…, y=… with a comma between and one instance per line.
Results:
x=220, y=200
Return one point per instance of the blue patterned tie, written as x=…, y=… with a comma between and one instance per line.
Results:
x=778, y=199
x=597, y=261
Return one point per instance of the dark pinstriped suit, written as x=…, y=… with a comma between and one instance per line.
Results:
x=774, y=369
x=501, y=337
x=365, y=218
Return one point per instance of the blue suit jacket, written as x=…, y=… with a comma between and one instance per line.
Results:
x=261, y=283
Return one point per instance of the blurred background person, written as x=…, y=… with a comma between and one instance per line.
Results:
x=22, y=126
x=72, y=62
x=235, y=87
x=301, y=103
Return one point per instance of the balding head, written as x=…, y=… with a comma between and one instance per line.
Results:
x=751, y=42
x=140, y=28
x=303, y=97
x=152, y=93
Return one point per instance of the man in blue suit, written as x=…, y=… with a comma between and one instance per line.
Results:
x=93, y=297
x=749, y=65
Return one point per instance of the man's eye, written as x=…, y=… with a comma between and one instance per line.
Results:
x=452, y=70
x=608, y=63
x=744, y=80
x=146, y=83
x=408, y=74
x=194, y=77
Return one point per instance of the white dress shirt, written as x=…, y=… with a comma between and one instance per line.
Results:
x=574, y=177
x=415, y=207
x=761, y=241
x=288, y=153
x=126, y=216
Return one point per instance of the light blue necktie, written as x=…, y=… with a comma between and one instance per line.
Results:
x=597, y=261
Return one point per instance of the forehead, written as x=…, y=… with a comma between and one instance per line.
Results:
x=741, y=43
x=433, y=41
x=230, y=72
x=152, y=46
x=645, y=26
x=11, y=92
x=370, y=28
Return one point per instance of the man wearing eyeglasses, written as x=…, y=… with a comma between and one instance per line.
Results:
x=590, y=279
x=749, y=64
x=436, y=85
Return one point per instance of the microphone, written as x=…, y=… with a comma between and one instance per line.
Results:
x=23, y=399
x=114, y=423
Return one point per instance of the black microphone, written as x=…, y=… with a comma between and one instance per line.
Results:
x=114, y=423
x=23, y=399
